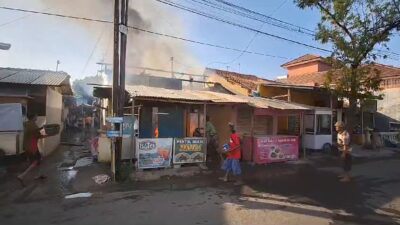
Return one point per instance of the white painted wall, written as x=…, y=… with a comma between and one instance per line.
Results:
x=53, y=115
x=390, y=105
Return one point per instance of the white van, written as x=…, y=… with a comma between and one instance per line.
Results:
x=12, y=117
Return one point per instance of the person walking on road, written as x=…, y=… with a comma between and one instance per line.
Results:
x=233, y=154
x=343, y=142
x=31, y=137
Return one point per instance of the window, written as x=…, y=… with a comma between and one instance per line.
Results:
x=309, y=123
x=324, y=124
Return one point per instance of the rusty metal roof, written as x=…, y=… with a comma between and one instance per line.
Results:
x=33, y=77
x=209, y=96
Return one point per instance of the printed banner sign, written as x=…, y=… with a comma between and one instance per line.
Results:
x=276, y=149
x=189, y=150
x=154, y=152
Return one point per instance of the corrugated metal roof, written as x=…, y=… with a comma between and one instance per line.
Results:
x=215, y=97
x=34, y=77
x=265, y=103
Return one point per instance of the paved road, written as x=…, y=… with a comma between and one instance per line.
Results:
x=278, y=194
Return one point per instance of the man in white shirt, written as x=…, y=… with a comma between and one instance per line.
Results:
x=343, y=141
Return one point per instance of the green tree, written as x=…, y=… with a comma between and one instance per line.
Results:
x=355, y=28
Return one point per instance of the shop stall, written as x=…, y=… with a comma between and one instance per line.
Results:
x=273, y=130
x=318, y=126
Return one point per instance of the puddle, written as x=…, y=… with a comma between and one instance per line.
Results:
x=79, y=195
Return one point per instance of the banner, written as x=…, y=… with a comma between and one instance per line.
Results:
x=189, y=150
x=154, y=152
x=276, y=149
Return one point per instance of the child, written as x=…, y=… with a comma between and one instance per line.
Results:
x=231, y=163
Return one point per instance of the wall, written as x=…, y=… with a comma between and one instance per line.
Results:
x=388, y=108
x=53, y=115
x=220, y=116
x=307, y=68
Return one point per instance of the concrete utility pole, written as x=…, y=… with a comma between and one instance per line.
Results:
x=118, y=86
x=58, y=63
x=172, y=67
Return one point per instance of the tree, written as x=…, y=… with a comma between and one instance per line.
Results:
x=355, y=28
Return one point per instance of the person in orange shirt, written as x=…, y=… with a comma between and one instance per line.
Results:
x=233, y=154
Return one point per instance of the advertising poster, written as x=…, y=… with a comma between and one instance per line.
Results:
x=189, y=150
x=154, y=152
x=276, y=149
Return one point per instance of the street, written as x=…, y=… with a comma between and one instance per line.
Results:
x=305, y=192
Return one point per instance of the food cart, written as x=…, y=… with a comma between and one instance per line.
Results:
x=318, y=129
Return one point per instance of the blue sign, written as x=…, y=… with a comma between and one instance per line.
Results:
x=113, y=133
x=127, y=126
x=115, y=119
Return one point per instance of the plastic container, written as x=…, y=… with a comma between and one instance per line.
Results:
x=52, y=129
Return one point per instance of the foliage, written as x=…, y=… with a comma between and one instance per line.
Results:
x=355, y=28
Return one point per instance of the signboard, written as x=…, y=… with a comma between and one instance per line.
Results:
x=113, y=133
x=154, y=152
x=270, y=149
x=115, y=119
x=189, y=150
x=127, y=126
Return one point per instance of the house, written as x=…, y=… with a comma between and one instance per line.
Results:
x=235, y=83
x=40, y=92
x=311, y=70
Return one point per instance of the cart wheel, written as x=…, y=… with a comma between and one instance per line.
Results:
x=327, y=147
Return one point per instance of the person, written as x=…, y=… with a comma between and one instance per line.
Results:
x=212, y=138
x=233, y=154
x=197, y=133
x=31, y=137
x=343, y=142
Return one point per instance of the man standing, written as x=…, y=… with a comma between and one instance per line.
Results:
x=343, y=141
x=211, y=133
x=233, y=154
x=31, y=138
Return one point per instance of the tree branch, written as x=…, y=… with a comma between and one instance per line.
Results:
x=335, y=20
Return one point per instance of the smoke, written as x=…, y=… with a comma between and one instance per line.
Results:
x=143, y=49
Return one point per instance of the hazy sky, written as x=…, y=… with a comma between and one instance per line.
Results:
x=38, y=41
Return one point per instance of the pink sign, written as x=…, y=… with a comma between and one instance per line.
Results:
x=270, y=149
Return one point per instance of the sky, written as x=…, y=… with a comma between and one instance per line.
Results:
x=38, y=41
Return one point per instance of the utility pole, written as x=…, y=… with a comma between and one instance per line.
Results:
x=118, y=86
x=172, y=67
x=58, y=63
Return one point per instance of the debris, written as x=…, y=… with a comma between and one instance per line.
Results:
x=101, y=179
x=79, y=195
x=83, y=162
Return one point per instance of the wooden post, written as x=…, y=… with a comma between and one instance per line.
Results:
x=204, y=119
x=133, y=138
x=289, y=95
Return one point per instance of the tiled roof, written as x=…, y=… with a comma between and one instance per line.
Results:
x=319, y=78
x=33, y=77
x=386, y=70
x=301, y=59
x=311, y=79
x=247, y=81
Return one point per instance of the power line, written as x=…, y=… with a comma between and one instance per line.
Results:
x=266, y=19
x=260, y=14
x=255, y=35
x=143, y=30
x=239, y=25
